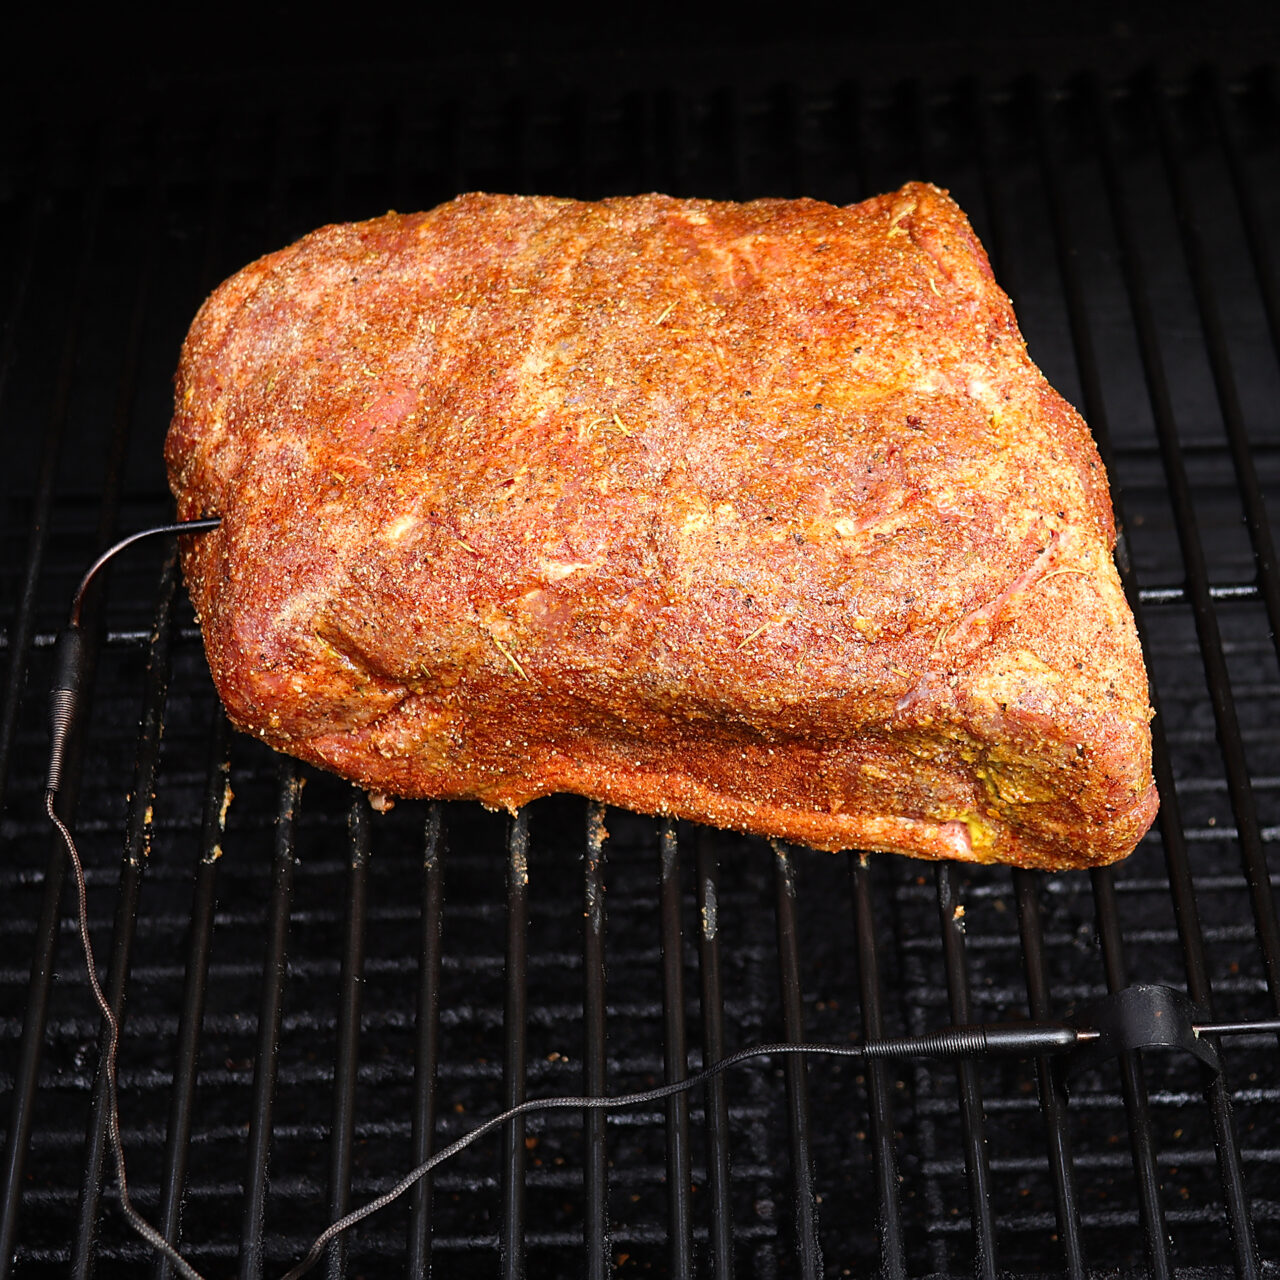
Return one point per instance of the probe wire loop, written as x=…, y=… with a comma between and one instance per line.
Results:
x=1138, y=1016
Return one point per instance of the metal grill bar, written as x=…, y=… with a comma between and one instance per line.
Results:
x=1216, y=673
x=427, y=1041
x=274, y=968
x=1178, y=595
x=42, y=506
x=511, y=1241
x=761, y=142
x=36, y=1006
x=1244, y=1247
x=977, y=1169
x=807, y=1243
x=1053, y=1099
x=1134, y=1086
x=347, y=1057
x=186, y=1058
x=1171, y=826
x=35, y=1016
x=595, y=1173
x=214, y=819
x=20, y=287
x=131, y=873
x=893, y=1261
x=1191, y=938
x=720, y=1232
x=1216, y=1086
x=1224, y=378
x=270, y=1011
x=1246, y=200
x=130, y=366
x=675, y=1056
x=1255, y=507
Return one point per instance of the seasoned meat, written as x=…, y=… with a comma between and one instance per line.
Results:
x=756, y=514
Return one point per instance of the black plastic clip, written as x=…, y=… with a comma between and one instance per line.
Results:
x=1143, y=1016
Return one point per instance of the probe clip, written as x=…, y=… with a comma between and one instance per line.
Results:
x=1142, y=1016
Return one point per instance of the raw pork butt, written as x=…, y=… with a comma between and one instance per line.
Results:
x=756, y=514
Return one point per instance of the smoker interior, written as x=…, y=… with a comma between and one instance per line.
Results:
x=317, y=995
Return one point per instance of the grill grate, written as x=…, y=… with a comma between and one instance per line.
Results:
x=315, y=997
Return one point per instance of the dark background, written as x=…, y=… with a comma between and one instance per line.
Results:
x=114, y=48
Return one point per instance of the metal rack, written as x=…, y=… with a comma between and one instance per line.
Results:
x=316, y=996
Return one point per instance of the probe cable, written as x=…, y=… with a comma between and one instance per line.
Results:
x=1130, y=1018
x=64, y=706
x=950, y=1042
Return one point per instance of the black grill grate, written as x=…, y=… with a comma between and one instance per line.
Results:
x=316, y=996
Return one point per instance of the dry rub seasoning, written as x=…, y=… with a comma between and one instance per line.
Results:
x=758, y=514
